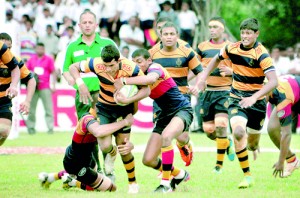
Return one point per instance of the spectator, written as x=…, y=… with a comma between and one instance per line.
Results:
x=169, y=12
x=187, y=23
x=281, y=63
x=59, y=12
x=43, y=66
x=104, y=32
x=23, y=7
x=108, y=15
x=64, y=41
x=62, y=30
x=43, y=21
x=50, y=41
x=125, y=51
x=28, y=39
x=131, y=35
x=12, y=27
x=126, y=9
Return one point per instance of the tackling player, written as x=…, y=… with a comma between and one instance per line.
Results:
x=175, y=117
x=179, y=59
x=79, y=159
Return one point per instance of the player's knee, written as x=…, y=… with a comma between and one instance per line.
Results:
x=209, y=128
x=221, y=122
x=239, y=133
x=4, y=131
x=148, y=161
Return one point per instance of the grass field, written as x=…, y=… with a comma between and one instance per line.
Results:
x=18, y=176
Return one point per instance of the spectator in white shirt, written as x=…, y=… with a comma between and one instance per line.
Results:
x=131, y=35
x=187, y=23
x=41, y=23
x=108, y=16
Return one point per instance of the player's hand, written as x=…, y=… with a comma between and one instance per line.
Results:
x=24, y=107
x=247, y=102
x=120, y=98
x=126, y=147
x=225, y=71
x=85, y=95
x=278, y=169
x=194, y=90
x=118, y=84
x=11, y=92
x=129, y=119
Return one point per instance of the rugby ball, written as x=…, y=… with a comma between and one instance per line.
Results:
x=128, y=91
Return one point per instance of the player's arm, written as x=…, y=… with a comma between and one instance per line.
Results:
x=285, y=142
x=269, y=86
x=84, y=92
x=148, y=79
x=100, y=131
x=200, y=83
x=12, y=91
x=25, y=105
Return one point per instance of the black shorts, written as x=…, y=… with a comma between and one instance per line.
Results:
x=5, y=109
x=109, y=114
x=157, y=110
x=185, y=113
x=255, y=115
x=73, y=163
x=213, y=102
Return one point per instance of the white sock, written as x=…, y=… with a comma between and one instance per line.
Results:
x=180, y=175
x=51, y=177
x=73, y=182
x=165, y=183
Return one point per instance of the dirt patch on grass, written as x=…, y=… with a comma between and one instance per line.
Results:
x=31, y=150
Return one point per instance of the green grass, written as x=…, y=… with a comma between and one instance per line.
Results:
x=18, y=176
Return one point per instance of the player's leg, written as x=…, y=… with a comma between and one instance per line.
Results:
x=184, y=144
x=46, y=179
x=5, y=126
x=180, y=122
x=238, y=121
x=95, y=180
x=129, y=163
x=5, y=120
x=223, y=143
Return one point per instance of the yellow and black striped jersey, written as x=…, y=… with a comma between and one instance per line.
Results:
x=127, y=68
x=249, y=67
x=5, y=74
x=206, y=51
x=177, y=63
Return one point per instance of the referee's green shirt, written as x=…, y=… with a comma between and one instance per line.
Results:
x=78, y=51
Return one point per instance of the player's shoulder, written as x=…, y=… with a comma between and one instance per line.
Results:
x=260, y=49
x=155, y=48
x=185, y=48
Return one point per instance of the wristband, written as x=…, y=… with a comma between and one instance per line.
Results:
x=79, y=81
x=123, y=81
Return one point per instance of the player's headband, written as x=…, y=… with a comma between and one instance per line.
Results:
x=217, y=23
